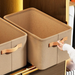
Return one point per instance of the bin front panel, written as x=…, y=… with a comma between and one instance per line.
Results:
x=63, y=55
x=19, y=56
x=49, y=54
x=39, y=54
x=5, y=59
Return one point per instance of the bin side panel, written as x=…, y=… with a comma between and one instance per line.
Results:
x=39, y=54
x=63, y=55
x=19, y=56
x=5, y=59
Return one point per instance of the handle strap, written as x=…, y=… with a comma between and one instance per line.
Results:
x=7, y=51
x=54, y=44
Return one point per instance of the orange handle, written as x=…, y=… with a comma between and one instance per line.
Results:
x=6, y=51
x=53, y=44
x=73, y=0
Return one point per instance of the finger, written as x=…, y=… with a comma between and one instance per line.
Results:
x=62, y=41
x=59, y=43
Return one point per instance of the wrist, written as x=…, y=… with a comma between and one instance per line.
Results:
x=65, y=47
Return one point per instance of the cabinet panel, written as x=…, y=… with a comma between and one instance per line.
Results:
x=55, y=8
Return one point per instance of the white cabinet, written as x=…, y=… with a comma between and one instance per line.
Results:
x=71, y=20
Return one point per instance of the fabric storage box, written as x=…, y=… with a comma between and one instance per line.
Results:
x=12, y=47
x=42, y=29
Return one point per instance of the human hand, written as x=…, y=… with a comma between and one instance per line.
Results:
x=70, y=65
x=60, y=45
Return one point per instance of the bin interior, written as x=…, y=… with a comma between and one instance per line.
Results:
x=8, y=32
x=37, y=22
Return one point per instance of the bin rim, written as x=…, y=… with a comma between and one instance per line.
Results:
x=24, y=34
x=34, y=35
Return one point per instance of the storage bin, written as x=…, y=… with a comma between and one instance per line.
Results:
x=12, y=47
x=42, y=29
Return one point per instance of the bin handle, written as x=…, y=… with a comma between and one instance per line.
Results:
x=7, y=51
x=54, y=44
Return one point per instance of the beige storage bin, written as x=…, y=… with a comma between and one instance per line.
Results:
x=12, y=47
x=42, y=29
